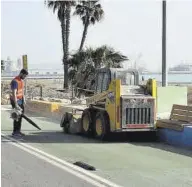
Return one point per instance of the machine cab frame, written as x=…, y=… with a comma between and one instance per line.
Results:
x=105, y=75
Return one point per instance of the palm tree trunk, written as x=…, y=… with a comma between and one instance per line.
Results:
x=68, y=22
x=63, y=30
x=68, y=16
x=84, y=35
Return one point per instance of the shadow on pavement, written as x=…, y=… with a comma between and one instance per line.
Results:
x=147, y=139
x=167, y=148
x=144, y=139
x=136, y=139
x=51, y=136
x=56, y=137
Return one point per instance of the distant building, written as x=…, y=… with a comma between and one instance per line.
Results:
x=142, y=70
x=10, y=66
x=181, y=67
x=19, y=64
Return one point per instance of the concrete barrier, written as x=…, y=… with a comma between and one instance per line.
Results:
x=42, y=107
x=50, y=109
x=176, y=138
x=167, y=96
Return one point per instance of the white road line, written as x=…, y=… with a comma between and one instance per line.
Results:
x=95, y=183
x=6, y=109
x=75, y=170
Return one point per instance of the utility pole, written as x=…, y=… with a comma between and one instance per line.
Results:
x=164, y=63
x=25, y=66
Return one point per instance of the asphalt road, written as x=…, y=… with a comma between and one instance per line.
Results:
x=134, y=164
x=21, y=169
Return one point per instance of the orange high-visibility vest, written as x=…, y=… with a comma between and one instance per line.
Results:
x=19, y=88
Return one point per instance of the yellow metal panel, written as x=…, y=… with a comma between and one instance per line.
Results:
x=154, y=88
x=110, y=104
x=98, y=97
x=113, y=104
x=117, y=102
x=151, y=87
x=154, y=95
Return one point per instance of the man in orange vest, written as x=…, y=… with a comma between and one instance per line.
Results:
x=17, y=99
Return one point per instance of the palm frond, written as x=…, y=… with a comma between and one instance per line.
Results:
x=87, y=60
x=89, y=11
x=59, y=7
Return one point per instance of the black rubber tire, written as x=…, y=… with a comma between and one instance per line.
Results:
x=65, y=122
x=66, y=128
x=86, y=114
x=103, y=116
x=62, y=121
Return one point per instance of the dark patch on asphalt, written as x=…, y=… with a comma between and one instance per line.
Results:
x=85, y=166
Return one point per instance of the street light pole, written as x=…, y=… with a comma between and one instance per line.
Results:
x=164, y=64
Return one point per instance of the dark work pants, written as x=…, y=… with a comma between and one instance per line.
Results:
x=17, y=124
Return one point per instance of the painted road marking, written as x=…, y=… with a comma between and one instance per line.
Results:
x=59, y=165
x=75, y=170
x=6, y=109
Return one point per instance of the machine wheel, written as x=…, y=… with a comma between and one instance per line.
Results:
x=86, y=122
x=65, y=122
x=101, y=125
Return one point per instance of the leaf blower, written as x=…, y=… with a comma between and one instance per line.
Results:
x=16, y=114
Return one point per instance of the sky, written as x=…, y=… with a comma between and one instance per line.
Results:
x=133, y=27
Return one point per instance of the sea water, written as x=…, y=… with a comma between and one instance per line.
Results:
x=172, y=78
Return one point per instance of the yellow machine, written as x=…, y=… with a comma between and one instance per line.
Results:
x=119, y=104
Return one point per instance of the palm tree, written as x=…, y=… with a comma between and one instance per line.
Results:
x=90, y=12
x=108, y=57
x=101, y=56
x=80, y=57
x=63, y=9
x=83, y=64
